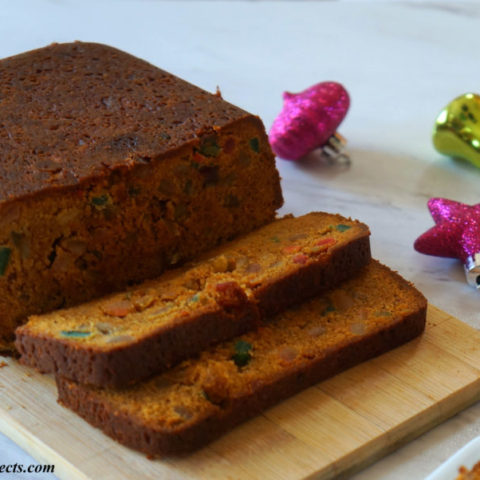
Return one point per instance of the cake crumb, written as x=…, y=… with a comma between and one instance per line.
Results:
x=3, y=364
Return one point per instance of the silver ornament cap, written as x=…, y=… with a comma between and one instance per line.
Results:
x=472, y=270
x=334, y=150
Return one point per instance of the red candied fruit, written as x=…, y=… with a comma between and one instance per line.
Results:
x=292, y=249
x=326, y=242
x=120, y=308
x=300, y=258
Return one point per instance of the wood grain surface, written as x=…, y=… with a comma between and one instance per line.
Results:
x=327, y=431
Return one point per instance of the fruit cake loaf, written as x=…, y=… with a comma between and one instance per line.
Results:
x=112, y=170
x=201, y=398
x=129, y=336
x=473, y=474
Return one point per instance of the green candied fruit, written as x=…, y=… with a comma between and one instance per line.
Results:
x=133, y=191
x=209, y=147
x=242, y=353
x=204, y=394
x=383, y=313
x=4, y=259
x=97, y=254
x=195, y=298
x=342, y=228
x=164, y=136
x=275, y=239
x=255, y=145
x=100, y=201
x=328, y=309
x=75, y=334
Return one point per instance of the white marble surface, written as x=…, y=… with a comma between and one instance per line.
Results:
x=401, y=62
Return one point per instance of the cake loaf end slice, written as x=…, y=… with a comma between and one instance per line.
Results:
x=202, y=398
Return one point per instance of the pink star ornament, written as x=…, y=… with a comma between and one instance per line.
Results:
x=456, y=234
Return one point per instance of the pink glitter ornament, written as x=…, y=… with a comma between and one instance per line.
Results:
x=455, y=235
x=308, y=121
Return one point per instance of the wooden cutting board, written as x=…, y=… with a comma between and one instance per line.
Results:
x=325, y=432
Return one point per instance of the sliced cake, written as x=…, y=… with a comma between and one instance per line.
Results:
x=126, y=337
x=204, y=397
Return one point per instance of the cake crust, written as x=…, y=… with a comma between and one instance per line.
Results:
x=124, y=112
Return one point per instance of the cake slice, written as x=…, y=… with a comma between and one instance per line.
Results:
x=202, y=398
x=113, y=170
x=465, y=474
x=129, y=336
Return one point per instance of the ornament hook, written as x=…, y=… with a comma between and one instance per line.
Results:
x=472, y=270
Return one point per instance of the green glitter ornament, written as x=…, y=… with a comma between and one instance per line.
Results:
x=457, y=129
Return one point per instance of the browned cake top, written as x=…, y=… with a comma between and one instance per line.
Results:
x=72, y=111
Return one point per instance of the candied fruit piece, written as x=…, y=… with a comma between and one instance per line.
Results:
x=120, y=308
x=300, y=259
x=292, y=249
